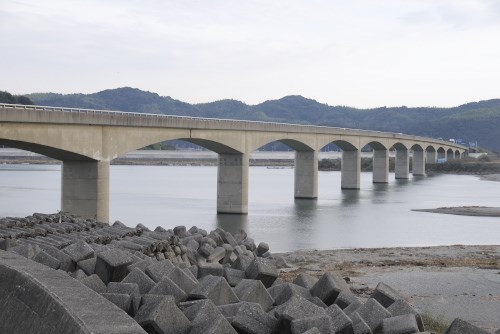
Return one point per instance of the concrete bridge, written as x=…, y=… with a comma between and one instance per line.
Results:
x=87, y=140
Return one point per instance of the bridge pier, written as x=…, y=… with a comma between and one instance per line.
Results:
x=431, y=157
x=450, y=155
x=402, y=164
x=306, y=174
x=351, y=169
x=85, y=189
x=418, y=163
x=380, y=166
x=232, y=184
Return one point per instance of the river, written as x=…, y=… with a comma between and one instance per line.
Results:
x=375, y=216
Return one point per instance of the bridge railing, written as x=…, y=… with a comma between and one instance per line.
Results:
x=110, y=117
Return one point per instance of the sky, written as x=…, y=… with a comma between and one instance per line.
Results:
x=359, y=53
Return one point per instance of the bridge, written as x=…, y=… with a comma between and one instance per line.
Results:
x=86, y=141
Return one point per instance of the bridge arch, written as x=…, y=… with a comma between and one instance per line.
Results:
x=51, y=152
x=431, y=154
x=380, y=161
x=457, y=154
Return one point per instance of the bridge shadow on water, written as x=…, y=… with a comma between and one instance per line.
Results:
x=232, y=223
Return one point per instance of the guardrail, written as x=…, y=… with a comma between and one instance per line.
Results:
x=238, y=124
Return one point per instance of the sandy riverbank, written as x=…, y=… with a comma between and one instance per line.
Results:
x=490, y=177
x=478, y=211
x=445, y=281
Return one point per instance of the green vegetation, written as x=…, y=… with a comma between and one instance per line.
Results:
x=435, y=323
x=477, y=121
x=6, y=97
x=483, y=165
x=366, y=164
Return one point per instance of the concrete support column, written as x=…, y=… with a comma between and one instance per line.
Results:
x=232, y=184
x=431, y=157
x=351, y=169
x=380, y=166
x=306, y=174
x=85, y=189
x=402, y=164
x=449, y=156
x=418, y=163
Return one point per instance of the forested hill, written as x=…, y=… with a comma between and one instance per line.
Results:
x=476, y=121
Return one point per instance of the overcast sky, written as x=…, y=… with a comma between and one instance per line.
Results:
x=361, y=53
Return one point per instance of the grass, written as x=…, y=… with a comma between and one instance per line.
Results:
x=435, y=323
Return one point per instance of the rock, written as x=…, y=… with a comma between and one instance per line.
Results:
x=214, y=288
x=341, y=323
x=138, y=277
x=214, y=269
x=88, y=265
x=263, y=270
x=162, y=317
x=328, y=288
x=373, y=313
x=305, y=280
x=459, y=326
x=131, y=289
x=95, y=283
x=48, y=260
x=159, y=269
x=111, y=265
x=254, y=291
x=400, y=307
x=250, y=318
x=168, y=287
x=262, y=248
x=234, y=276
x=401, y=324
x=121, y=300
x=385, y=295
x=322, y=322
x=79, y=251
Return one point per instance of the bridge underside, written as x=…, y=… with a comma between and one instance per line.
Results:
x=86, y=150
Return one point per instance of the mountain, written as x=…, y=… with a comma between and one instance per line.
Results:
x=476, y=121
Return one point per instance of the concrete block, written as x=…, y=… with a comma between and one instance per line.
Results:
x=401, y=307
x=214, y=269
x=205, y=250
x=67, y=263
x=313, y=330
x=180, y=231
x=281, y=293
x=345, y=298
x=317, y=301
x=142, y=264
x=322, y=322
x=111, y=265
x=26, y=250
x=262, y=248
x=217, y=254
x=254, y=291
x=401, y=324
x=249, y=243
x=385, y=295
x=194, y=270
x=341, y=323
x=131, y=289
x=353, y=307
x=234, y=276
x=305, y=280
x=79, y=251
x=328, y=288
x=157, y=270
x=121, y=300
x=78, y=274
x=459, y=326
x=359, y=325
x=138, y=277
x=242, y=262
x=263, y=270
x=216, y=325
x=251, y=319
x=296, y=308
x=168, y=287
x=186, y=282
x=214, y=288
x=7, y=244
x=373, y=313
x=88, y=265
x=162, y=317
x=47, y=260
x=95, y=283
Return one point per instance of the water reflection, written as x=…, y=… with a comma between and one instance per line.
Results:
x=350, y=197
x=305, y=207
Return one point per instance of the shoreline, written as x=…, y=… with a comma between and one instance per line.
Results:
x=475, y=211
x=448, y=281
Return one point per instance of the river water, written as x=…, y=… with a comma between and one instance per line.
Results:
x=375, y=216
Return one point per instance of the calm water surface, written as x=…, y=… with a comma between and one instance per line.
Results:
x=375, y=216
